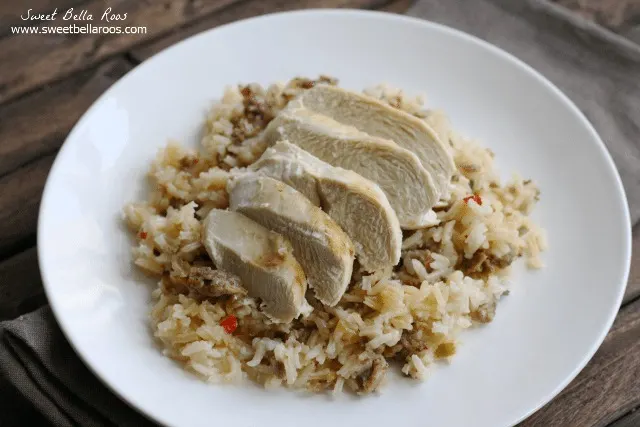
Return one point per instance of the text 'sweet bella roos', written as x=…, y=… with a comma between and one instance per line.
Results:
x=73, y=15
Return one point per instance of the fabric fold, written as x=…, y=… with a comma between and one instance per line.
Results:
x=37, y=360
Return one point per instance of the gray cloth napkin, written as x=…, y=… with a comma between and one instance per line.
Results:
x=36, y=359
x=598, y=70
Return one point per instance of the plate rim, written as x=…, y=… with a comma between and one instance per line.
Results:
x=356, y=14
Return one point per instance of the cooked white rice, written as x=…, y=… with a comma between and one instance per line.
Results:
x=450, y=277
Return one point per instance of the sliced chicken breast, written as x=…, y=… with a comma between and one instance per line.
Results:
x=262, y=259
x=356, y=204
x=281, y=162
x=381, y=120
x=440, y=123
x=325, y=252
x=399, y=173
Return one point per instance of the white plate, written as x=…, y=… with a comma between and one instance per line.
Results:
x=544, y=332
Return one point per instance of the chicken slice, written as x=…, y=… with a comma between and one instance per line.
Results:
x=356, y=204
x=262, y=259
x=399, y=173
x=381, y=120
x=325, y=252
x=281, y=162
x=440, y=123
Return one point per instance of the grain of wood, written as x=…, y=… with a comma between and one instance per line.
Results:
x=21, y=191
x=633, y=287
x=20, y=284
x=608, y=387
x=398, y=6
x=37, y=124
x=631, y=419
x=29, y=61
x=13, y=12
x=611, y=13
x=246, y=9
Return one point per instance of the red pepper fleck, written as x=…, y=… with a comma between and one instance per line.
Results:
x=143, y=234
x=229, y=323
x=195, y=161
x=475, y=198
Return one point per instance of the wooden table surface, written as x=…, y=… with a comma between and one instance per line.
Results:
x=47, y=82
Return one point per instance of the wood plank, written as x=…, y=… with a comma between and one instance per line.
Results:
x=29, y=61
x=631, y=419
x=397, y=6
x=12, y=12
x=37, y=124
x=21, y=191
x=615, y=14
x=608, y=387
x=633, y=286
x=246, y=9
x=21, y=287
